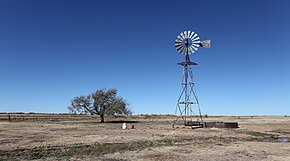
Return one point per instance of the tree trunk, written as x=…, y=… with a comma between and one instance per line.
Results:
x=102, y=118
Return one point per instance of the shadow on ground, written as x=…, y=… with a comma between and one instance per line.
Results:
x=122, y=121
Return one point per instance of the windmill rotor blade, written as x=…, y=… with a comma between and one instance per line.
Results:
x=188, y=34
x=197, y=38
x=177, y=45
x=180, y=49
x=179, y=37
x=191, y=35
x=185, y=34
x=190, y=50
x=194, y=48
x=184, y=50
x=178, y=40
x=196, y=45
x=182, y=35
x=196, y=42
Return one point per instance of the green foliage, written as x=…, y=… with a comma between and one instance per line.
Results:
x=255, y=133
x=102, y=102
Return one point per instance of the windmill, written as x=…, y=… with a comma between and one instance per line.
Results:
x=187, y=43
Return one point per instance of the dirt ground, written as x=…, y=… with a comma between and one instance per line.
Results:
x=152, y=139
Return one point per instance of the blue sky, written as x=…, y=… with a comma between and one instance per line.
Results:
x=53, y=50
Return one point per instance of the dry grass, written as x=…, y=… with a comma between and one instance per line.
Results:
x=151, y=140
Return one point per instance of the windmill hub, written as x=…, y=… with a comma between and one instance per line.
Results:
x=187, y=42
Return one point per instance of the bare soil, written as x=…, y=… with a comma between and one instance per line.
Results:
x=152, y=139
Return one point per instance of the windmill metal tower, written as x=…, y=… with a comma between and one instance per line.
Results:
x=187, y=106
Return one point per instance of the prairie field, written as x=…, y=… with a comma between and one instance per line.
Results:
x=51, y=137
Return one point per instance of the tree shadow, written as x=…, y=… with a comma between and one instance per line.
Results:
x=122, y=121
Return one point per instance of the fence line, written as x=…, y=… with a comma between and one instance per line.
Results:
x=43, y=117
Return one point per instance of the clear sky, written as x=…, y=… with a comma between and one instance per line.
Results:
x=54, y=50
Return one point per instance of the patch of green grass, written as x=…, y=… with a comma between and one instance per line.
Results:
x=255, y=133
x=281, y=131
x=36, y=155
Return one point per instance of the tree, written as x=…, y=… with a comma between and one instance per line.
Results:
x=102, y=102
